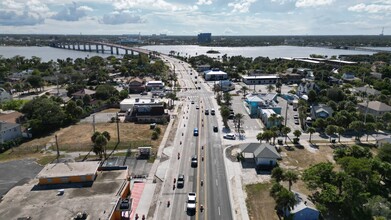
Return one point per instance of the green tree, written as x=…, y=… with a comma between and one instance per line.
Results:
x=238, y=118
x=297, y=133
x=270, y=88
x=357, y=126
x=385, y=153
x=278, y=174
x=244, y=89
x=100, y=141
x=291, y=177
x=266, y=135
x=224, y=111
x=318, y=175
x=123, y=94
x=35, y=81
x=320, y=124
x=330, y=130
x=340, y=130
x=311, y=130
x=227, y=98
x=285, y=200
x=286, y=131
x=369, y=128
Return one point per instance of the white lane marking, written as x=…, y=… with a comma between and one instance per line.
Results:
x=217, y=184
x=219, y=210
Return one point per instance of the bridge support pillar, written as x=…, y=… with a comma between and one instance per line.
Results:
x=69, y=46
x=89, y=47
x=85, y=47
x=117, y=50
x=103, y=49
x=111, y=50
x=78, y=46
x=97, y=48
x=126, y=51
x=132, y=52
x=73, y=46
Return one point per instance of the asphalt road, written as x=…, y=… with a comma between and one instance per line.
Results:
x=213, y=195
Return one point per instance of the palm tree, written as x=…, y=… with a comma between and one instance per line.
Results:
x=273, y=119
x=278, y=174
x=278, y=86
x=330, y=130
x=224, y=111
x=266, y=135
x=285, y=130
x=238, y=117
x=274, y=129
x=369, y=127
x=27, y=86
x=7, y=86
x=311, y=130
x=285, y=200
x=297, y=133
x=357, y=126
x=227, y=98
x=291, y=177
x=244, y=90
x=270, y=88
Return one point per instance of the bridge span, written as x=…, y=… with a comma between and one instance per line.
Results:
x=98, y=47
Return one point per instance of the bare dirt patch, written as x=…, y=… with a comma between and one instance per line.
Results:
x=259, y=202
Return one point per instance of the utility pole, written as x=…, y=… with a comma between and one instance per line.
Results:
x=58, y=152
x=93, y=123
x=117, y=119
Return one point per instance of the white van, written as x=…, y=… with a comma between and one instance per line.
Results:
x=212, y=112
x=230, y=136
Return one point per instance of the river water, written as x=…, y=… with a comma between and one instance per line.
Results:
x=49, y=53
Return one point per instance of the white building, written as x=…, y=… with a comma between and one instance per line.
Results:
x=154, y=85
x=9, y=131
x=257, y=80
x=215, y=74
x=4, y=95
x=127, y=104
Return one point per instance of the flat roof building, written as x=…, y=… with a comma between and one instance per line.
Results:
x=256, y=80
x=106, y=197
x=204, y=38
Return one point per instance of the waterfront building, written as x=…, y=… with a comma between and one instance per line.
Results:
x=204, y=38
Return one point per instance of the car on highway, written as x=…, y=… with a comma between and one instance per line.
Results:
x=181, y=181
x=197, y=107
x=195, y=132
x=215, y=129
x=297, y=121
x=212, y=112
x=192, y=102
x=194, y=161
x=296, y=116
x=229, y=136
x=191, y=201
x=206, y=111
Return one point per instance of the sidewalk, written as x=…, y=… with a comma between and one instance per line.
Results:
x=157, y=168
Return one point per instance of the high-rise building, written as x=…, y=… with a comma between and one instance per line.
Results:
x=204, y=38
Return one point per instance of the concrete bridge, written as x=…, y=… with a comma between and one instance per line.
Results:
x=98, y=47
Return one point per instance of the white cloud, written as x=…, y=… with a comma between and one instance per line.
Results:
x=281, y=2
x=19, y=12
x=371, y=8
x=241, y=6
x=312, y=3
x=71, y=13
x=121, y=17
x=204, y=2
x=159, y=5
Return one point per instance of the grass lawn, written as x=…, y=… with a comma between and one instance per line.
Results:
x=78, y=138
x=259, y=203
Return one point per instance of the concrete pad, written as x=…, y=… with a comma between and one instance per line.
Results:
x=162, y=169
x=146, y=199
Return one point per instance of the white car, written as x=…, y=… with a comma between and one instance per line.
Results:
x=191, y=201
x=229, y=136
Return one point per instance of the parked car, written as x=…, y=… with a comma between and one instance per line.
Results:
x=230, y=136
x=215, y=129
x=297, y=121
x=296, y=116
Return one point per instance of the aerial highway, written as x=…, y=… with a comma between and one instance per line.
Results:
x=207, y=177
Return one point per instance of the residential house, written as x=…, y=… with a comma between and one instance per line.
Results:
x=305, y=87
x=9, y=131
x=225, y=85
x=136, y=85
x=215, y=74
x=81, y=93
x=321, y=111
x=257, y=101
x=10, y=116
x=380, y=141
x=365, y=90
x=154, y=85
x=291, y=78
x=262, y=154
x=4, y=95
x=348, y=77
x=304, y=209
x=19, y=76
x=266, y=116
x=374, y=108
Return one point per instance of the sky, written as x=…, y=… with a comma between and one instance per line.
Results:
x=190, y=17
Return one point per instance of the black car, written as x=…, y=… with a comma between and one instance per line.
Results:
x=181, y=180
x=215, y=129
x=194, y=161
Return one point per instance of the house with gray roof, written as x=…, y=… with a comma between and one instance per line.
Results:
x=366, y=91
x=304, y=209
x=374, y=108
x=263, y=154
x=9, y=131
x=321, y=111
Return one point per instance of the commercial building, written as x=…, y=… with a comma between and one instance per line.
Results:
x=258, y=80
x=81, y=190
x=129, y=103
x=215, y=74
x=255, y=102
x=154, y=85
x=204, y=38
